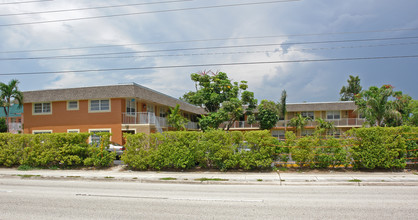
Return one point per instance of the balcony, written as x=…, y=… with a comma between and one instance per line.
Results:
x=15, y=128
x=343, y=122
x=148, y=118
x=243, y=124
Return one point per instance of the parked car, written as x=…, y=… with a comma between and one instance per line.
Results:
x=114, y=147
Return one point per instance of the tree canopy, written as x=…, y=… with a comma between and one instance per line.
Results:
x=267, y=114
x=347, y=93
x=383, y=106
x=9, y=93
x=222, y=99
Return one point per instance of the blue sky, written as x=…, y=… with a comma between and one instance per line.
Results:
x=280, y=25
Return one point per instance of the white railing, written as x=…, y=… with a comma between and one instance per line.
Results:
x=243, y=124
x=354, y=122
x=15, y=127
x=150, y=118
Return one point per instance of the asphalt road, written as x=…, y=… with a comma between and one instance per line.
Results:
x=64, y=199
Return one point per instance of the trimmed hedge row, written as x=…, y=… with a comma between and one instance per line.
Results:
x=212, y=149
x=368, y=148
x=363, y=148
x=53, y=150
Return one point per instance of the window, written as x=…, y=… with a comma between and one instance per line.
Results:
x=100, y=105
x=333, y=115
x=96, y=138
x=163, y=112
x=73, y=130
x=307, y=132
x=72, y=105
x=42, y=132
x=150, y=108
x=130, y=106
x=279, y=134
x=308, y=114
x=42, y=108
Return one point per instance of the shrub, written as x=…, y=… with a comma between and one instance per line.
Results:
x=378, y=147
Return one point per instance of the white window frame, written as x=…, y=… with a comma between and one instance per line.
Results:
x=164, y=110
x=42, y=108
x=151, y=108
x=128, y=106
x=73, y=130
x=41, y=131
x=73, y=109
x=100, y=104
x=333, y=115
x=100, y=130
x=307, y=114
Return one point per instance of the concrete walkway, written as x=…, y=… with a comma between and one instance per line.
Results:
x=118, y=173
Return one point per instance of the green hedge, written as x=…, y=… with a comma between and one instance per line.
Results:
x=53, y=150
x=212, y=149
x=385, y=148
x=315, y=151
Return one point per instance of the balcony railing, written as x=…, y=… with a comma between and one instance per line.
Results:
x=15, y=127
x=244, y=124
x=343, y=122
x=143, y=118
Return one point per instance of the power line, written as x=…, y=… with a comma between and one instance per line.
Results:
x=207, y=40
x=93, y=8
x=209, y=48
x=12, y=3
x=240, y=52
x=212, y=64
x=147, y=12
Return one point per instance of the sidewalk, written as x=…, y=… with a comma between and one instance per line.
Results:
x=204, y=177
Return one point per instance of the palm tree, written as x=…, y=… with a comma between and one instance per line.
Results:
x=374, y=104
x=299, y=122
x=326, y=125
x=9, y=93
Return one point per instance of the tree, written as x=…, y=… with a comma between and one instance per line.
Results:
x=413, y=118
x=353, y=88
x=375, y=106
x=299, y=123
x=3, y=126
x=222, y=99
x=9, y=93
x=401, y=108
x=176, y=120
x=267, y=114
x=325, y=125
x=282, y=107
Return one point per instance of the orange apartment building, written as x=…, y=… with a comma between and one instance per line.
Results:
x=342, y=113
x=116, y=109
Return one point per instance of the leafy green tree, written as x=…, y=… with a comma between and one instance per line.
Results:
x=325, y=125
x=401, y=108
x=413, y=118
x=267, y=114
x=375, y=105
x=299, y=123
x=176, y=120
x=3, y=126
x=353, y=88
x=9, y=93
x=221, y=98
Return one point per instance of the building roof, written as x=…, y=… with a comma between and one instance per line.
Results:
x=131, y=90
x=15, y=111
x=321, y=106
